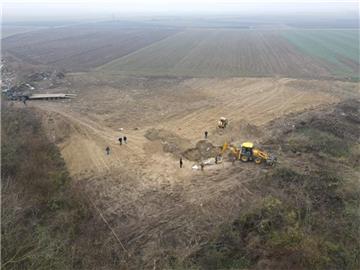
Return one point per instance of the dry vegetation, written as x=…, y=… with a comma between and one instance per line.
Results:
x=307, y=215
x=47, y=221
x=68, y=205
x=170, y=217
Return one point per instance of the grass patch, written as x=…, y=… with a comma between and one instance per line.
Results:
x=337, y=47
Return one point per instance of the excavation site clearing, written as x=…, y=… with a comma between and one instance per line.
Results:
x=181, y=169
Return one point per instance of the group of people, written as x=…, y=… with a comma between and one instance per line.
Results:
x=124, y=139
x=121, y=140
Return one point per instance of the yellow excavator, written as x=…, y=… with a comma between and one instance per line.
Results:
x=248, y=152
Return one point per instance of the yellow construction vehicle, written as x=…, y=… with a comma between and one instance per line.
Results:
x=235, y=152
x=249, y=153
x=223, y=122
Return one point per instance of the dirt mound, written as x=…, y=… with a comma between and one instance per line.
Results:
x=341, y=121
x=203, y=150
x=171, y=142
x=330, y=132
x=238, y=132
x=178, y=146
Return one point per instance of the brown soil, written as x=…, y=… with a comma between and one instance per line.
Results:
x=86, y=46
x=203, y=150
x=156, y=208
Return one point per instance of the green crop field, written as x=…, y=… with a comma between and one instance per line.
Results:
x=340, y=48
x=239, y=52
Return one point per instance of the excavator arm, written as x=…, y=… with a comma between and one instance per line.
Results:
x=234, y=150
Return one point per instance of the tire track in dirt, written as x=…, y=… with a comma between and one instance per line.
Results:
x=151, y=204
x=256, y=102
x=84, y=151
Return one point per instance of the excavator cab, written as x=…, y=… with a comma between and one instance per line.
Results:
x=246, y=153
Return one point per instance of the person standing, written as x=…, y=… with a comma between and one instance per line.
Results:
x=125, y=139
x=202, y=165
x=120, y=141
x=206, y=134
x=107, y=149
x=181, y=162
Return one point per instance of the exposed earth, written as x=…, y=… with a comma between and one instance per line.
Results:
x=154, y=206
x=155, y=209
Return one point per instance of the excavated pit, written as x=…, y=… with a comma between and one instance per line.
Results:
x=203, y=150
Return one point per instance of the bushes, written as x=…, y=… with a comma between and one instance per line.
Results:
x=46, y=223
x=302, y=222
x=34, y=175
x=310, y=140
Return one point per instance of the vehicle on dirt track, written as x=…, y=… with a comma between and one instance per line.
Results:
x=247, y=152
x=250, y=153
x=223, y=122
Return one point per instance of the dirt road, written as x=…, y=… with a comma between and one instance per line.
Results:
x=153, y=205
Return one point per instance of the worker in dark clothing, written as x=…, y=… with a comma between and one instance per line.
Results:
x=202, y=165
x=206, y=135
x=125, y=139
x=120, y=141
x=181, y=162
x=216, y=160
x=107, y=150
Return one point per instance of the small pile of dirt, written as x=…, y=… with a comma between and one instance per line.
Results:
x=171, y=142
x=203, y=150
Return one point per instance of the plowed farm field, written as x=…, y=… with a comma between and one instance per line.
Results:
x=234, y=52
x=81, y=47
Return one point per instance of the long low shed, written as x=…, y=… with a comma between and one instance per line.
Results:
x=51, y=96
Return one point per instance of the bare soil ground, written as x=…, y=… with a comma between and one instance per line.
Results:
x=140, y=49
x=81, y=47
x=233, y=53
x=155, y=208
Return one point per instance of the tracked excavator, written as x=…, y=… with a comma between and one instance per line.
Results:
x=248, y=152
